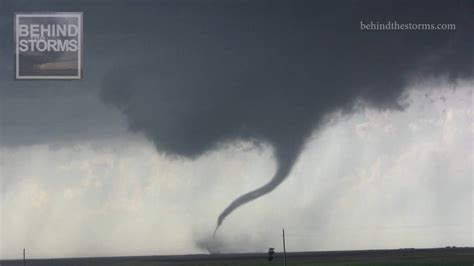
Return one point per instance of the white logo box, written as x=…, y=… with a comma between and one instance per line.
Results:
x=48, y=45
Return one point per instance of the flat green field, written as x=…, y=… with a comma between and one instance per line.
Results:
x=421, y=262
x=401, y=257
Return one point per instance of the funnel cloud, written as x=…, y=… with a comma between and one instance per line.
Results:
x=270, y=72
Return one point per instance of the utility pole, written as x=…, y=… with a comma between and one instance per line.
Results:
x=284, y=247
x=24, y=258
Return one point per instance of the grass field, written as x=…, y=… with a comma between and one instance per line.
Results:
x=401, y=257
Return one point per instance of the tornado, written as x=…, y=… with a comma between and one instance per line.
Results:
x=286, y=157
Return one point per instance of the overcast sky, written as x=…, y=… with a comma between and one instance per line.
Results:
x=349, y=139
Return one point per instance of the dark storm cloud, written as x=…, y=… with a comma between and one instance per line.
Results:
x=270, y=71
x=53, y=111
x=193, y=74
